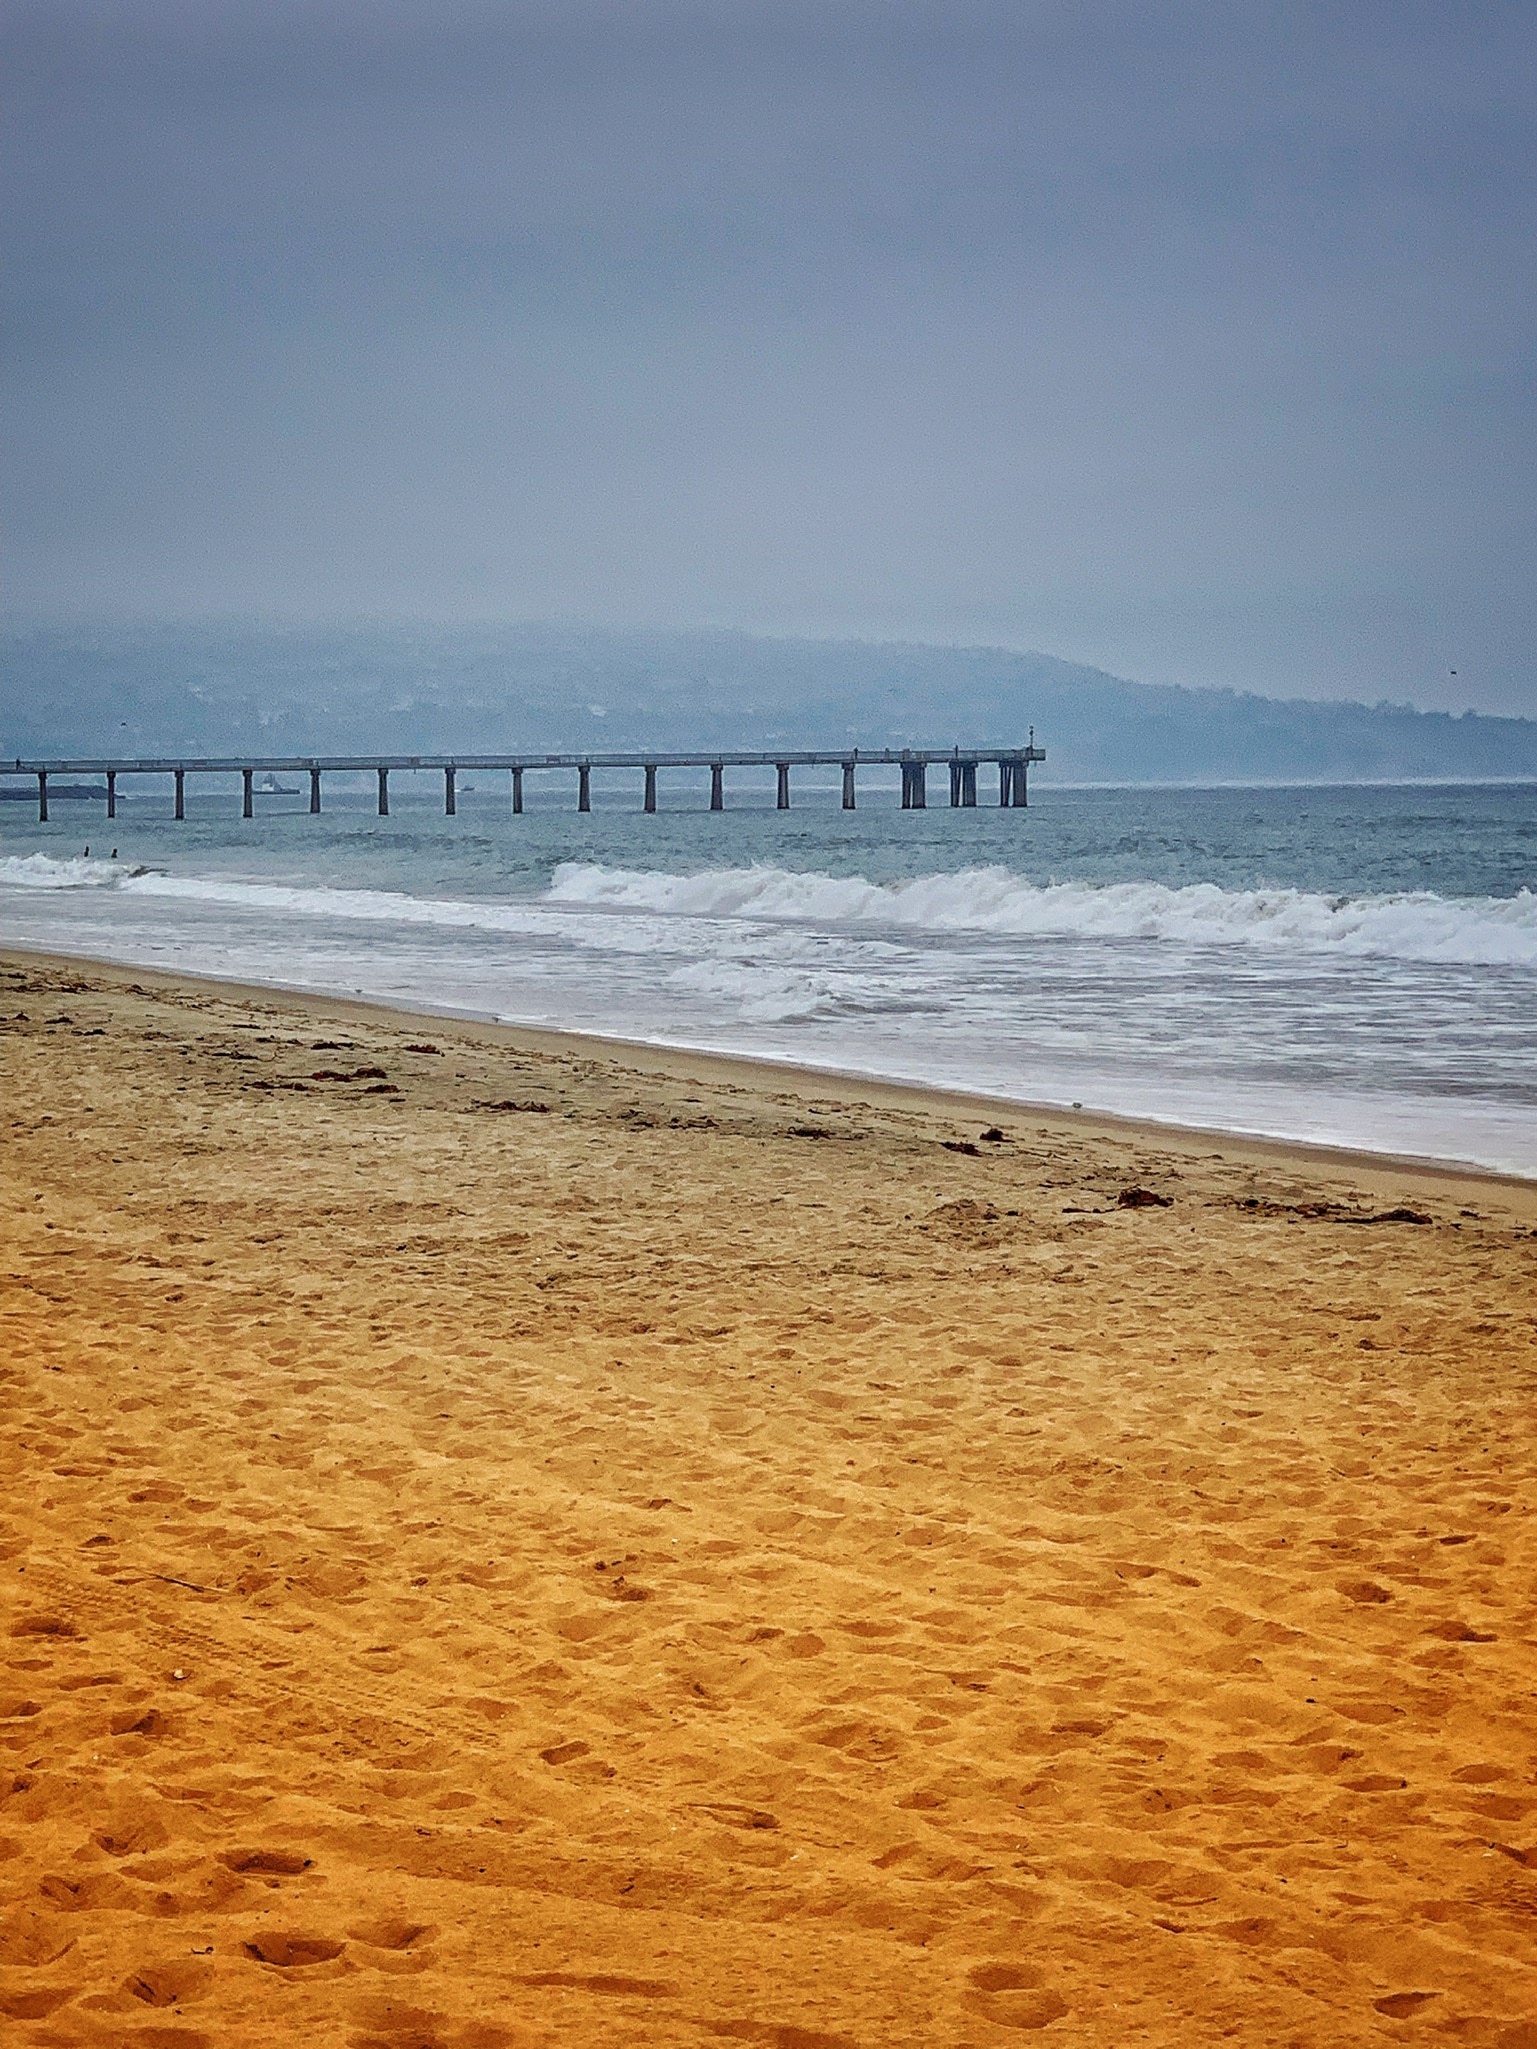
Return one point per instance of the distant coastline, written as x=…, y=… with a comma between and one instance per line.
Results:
x=212, y=688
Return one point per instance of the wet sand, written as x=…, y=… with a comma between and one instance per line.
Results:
x=536, y=1543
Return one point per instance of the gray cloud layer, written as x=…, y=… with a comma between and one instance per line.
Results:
x=1191, y=339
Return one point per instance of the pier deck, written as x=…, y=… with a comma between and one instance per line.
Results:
x=1012, y=764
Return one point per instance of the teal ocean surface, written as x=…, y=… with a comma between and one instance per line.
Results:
x=1351, y=965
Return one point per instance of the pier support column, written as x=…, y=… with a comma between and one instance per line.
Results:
x=955, y=785
x=1021, y=794
x=112, y=793
x=650, y=786
x=245, y=792
x=969, y=785
x=914, y=786
x=584, y=787
x=314, y=793
x=848, y=786
x=42, y=796
x=384, y=793
x=450, y=794
x=717, y=786
x=1005, y=784
x=517, y=793
x=181, y=792
x=783, y=799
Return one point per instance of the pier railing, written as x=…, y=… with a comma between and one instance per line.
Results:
x=1012, y=764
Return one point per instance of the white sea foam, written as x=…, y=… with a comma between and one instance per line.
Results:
x=379, y=906
x=41, y=871
x=1419, y=926
x=1479, y=931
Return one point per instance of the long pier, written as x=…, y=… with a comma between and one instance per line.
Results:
x=1012, y=763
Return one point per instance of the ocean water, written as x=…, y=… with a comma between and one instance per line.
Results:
x=1351, y=965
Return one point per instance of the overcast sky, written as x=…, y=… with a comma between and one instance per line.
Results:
x=1194, y=340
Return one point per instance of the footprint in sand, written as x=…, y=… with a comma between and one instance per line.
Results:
x=565, y=1753
x=1012, y=1996
x=273, y=1863
x=864, y=1741
x=393, y=1935
x=35, y=2004
x=1003, y=1978
x=174, y=1984
x=138, y=1722
x=730, y=1815
x=29, y=1938
x=129, y=1835
x=293, y=1952
x=46, y=1625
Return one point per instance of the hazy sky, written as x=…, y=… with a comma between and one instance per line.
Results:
x=1195, y=340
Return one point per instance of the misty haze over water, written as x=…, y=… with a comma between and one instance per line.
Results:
x=213, y=689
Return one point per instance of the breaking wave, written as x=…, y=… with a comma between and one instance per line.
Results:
x=1478, y=931
x=1419, y=926
x=41, y=871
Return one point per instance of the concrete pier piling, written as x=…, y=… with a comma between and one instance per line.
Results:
x=1012, y=763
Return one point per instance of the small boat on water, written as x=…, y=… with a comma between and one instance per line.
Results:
x=269, y=786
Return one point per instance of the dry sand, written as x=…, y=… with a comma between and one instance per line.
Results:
x=698, y=1560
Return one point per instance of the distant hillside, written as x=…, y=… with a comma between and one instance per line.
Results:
x=216, y=689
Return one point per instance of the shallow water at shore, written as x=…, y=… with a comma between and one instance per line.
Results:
x=1354, y=966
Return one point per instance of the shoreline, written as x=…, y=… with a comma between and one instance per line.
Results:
x=684, y=1060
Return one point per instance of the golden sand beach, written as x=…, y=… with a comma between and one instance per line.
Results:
x=513, y=1541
